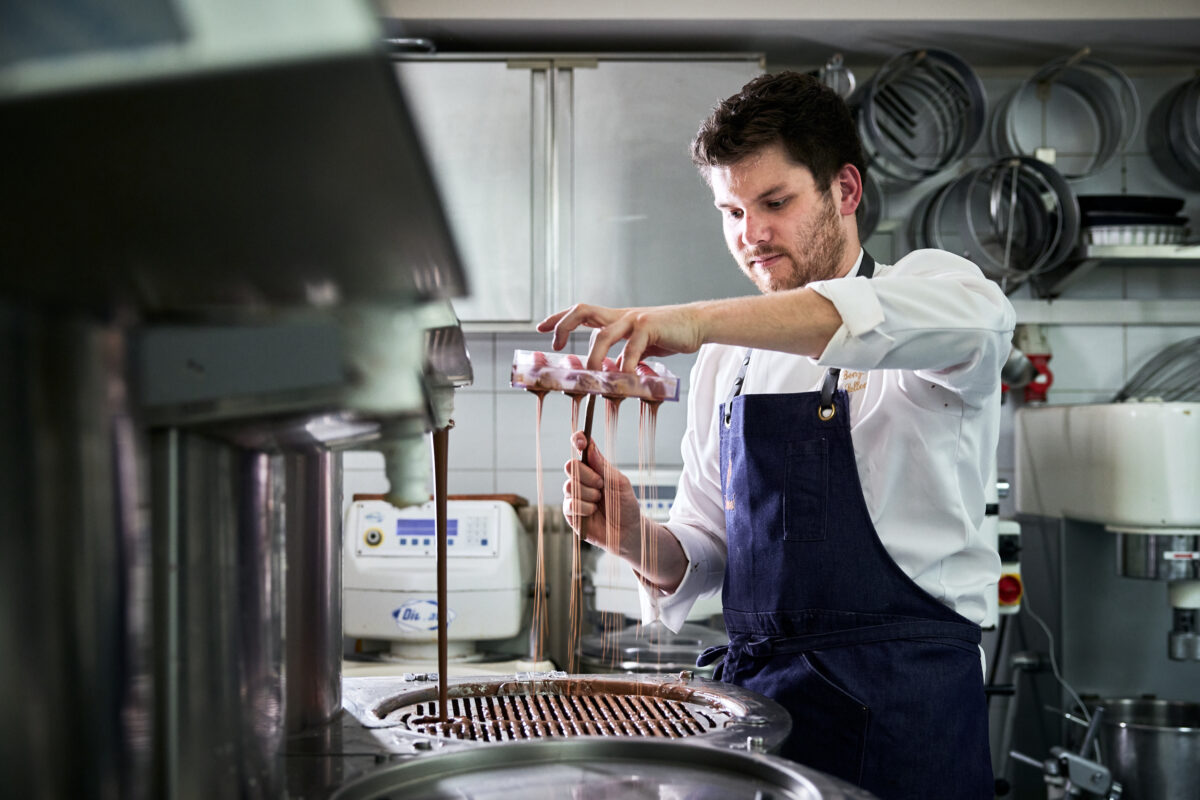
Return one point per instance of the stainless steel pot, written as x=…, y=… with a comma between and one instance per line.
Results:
x=1152, y=747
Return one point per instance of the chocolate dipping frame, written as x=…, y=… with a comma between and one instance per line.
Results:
x=557, y=705
x=537, y=371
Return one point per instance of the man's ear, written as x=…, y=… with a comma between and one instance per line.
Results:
x=850, y=185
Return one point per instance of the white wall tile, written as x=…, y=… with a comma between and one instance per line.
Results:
x=1144, y=342
x=482, y=349
x=364, y=481
x=524, y=482
x=1087, y=358
x=1155, y=281
x=362, y=459
x=472, y=442
x=669, y=425
x=516, y=429
x=471, y=481
x=1103, y=282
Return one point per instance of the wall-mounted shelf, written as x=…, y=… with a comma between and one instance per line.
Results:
x=1108, y=312
x=1088, y=257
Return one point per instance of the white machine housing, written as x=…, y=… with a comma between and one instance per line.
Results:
x=1132, y=467
x=389, y=573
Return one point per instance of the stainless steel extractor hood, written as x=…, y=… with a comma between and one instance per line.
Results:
x=202, y=153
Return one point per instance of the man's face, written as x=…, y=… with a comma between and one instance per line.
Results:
x=781, y=228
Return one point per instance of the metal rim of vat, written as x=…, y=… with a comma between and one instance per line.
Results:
x=740, y=719
x=548, y=767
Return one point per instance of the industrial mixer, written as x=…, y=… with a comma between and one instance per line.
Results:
x=1107, y=494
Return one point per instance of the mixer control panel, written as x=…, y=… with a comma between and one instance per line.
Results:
x=384, y=531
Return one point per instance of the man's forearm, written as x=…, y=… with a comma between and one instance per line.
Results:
x=661, y=560
x=796, y=321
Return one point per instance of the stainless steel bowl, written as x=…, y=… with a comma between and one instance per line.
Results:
x=1152, y=746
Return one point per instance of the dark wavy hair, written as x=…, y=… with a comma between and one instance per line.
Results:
x=807, y=117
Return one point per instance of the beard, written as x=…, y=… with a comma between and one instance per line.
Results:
x=815, y=254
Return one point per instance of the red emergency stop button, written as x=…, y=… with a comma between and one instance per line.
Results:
x=1010, y=589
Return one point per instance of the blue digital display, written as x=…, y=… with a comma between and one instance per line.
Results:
x=424, y=527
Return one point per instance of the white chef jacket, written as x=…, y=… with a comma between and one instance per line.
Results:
x=920, y=346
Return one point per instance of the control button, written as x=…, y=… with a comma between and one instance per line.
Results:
x=1010, y=589
x=373, y=537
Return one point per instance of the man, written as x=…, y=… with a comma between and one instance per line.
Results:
x=841, y=523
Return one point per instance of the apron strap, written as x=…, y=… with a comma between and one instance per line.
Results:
x=763, y=645
x=829, y=385
x=737, y=387
x=865, y=270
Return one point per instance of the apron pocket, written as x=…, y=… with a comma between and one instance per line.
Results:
x=829, y=725
x=807, y=487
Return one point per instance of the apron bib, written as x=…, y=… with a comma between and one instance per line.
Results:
x=882, y=681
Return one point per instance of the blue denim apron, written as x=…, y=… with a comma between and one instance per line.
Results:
x=883, y=682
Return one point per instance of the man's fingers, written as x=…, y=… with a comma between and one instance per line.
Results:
x=549, y=322
x=604, y=338
x=591, y=494
x=563, y=322
x=574, y=507
x=635, y=348
x=585, y=474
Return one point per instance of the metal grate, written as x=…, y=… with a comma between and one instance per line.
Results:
x=536, y=716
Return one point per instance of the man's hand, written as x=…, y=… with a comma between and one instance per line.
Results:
x=586, y=503
x=650, y=331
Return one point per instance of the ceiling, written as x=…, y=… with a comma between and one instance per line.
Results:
x=805, y=42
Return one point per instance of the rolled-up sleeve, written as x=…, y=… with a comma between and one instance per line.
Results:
x=932, y=312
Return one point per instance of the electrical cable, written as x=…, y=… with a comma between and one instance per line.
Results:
x=1025, y=606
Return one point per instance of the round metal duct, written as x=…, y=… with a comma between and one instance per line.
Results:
x=600, y=768
x=1173, y=134
x=1014, y=218
x=919, y=114
x=871, y=208
x=1055, y=98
